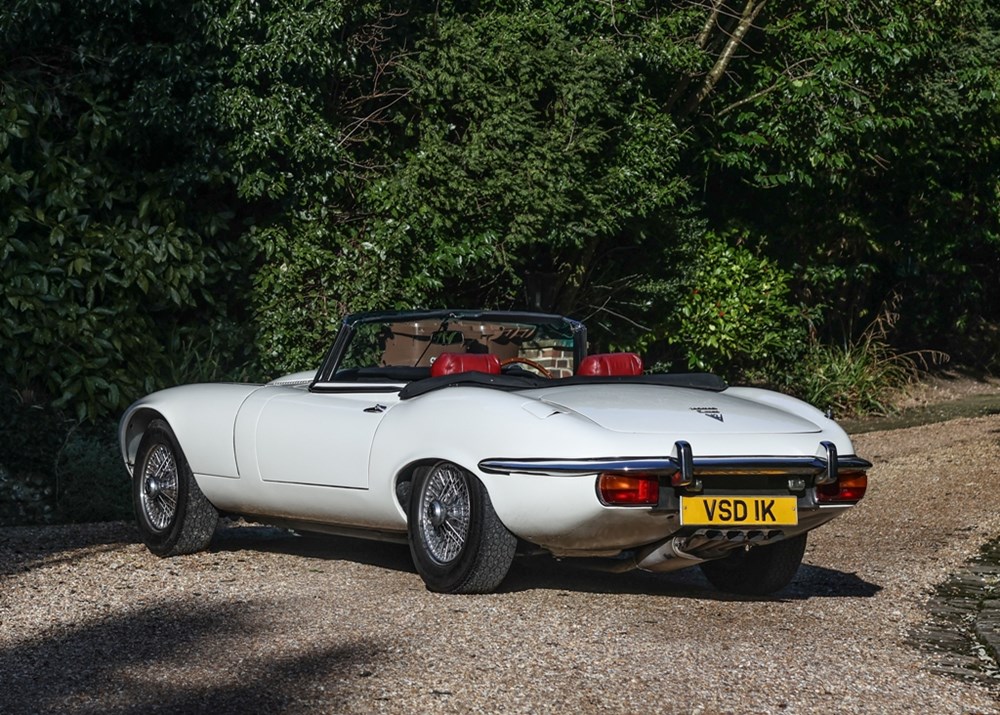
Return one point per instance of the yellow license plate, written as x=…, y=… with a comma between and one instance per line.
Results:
x=739, y=511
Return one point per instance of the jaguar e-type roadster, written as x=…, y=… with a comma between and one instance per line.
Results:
x=475, y=435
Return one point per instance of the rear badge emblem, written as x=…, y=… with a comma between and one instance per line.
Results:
x=714, y=412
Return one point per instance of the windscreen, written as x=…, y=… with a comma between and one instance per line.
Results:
x=417, y=343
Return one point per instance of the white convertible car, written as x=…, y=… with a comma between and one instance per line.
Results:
x=475, y=434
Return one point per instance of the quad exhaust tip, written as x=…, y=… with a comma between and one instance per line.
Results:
x=739, y=537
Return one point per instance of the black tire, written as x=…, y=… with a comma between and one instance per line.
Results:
x=759, y=571
x=458, y=543
x=173, y=516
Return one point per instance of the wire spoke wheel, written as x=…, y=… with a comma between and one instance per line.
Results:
x=158, y=490
x=445, y=512
x=173, y=515
x=458, y=543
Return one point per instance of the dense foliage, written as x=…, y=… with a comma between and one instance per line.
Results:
x=113, y=231
x=864, y=144
x=199, y=189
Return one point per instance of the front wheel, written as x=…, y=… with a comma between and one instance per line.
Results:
x=172, y=514
x=759, y=571
x=458, y=543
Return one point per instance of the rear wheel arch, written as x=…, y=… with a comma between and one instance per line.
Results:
x=403, y=484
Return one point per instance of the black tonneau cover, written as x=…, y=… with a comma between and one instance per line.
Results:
x=513, y=383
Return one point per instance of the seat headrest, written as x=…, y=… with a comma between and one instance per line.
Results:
x=453, y=363
x=603, y=364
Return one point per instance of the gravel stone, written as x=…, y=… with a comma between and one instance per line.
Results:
x=266, y=621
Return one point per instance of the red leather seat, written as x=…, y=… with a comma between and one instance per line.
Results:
x=604, y=364
x=453, y=363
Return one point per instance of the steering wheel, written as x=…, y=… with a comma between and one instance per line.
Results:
x=529, y=363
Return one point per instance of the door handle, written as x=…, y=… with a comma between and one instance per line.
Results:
x=376, y=408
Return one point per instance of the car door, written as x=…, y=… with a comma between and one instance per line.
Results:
x=294, y=436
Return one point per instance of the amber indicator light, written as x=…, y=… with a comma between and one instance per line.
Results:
x=629, y=489
x=850, y=486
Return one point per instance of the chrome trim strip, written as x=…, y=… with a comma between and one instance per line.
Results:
x=701, y=466
x=854, y=462
x=569, y=467
x=352, y=388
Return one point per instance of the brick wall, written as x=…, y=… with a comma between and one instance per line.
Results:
x=556, y=359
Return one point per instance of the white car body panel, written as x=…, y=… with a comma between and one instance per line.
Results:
x=579, y=521
x=202, y=418
x=638, y=409
x=287, y=434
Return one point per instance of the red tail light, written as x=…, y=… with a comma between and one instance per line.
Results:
x=850, y=486
x=629, y=489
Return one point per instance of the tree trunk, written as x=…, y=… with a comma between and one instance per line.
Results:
x=734, y=38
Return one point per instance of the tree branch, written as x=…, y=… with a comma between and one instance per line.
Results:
x=750, y=12
x=706, y=30
x=786, y=75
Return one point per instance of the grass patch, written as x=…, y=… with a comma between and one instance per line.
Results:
x=864, y=376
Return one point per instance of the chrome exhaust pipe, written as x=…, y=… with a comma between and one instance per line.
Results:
x=671, y=554
x=668, y=555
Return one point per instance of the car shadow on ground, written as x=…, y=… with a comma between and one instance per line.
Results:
x=179, y=657
x=543, y=572
x=382, y=554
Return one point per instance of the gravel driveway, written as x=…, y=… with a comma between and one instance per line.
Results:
x=269, y=622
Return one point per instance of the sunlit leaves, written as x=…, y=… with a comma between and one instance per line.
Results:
x=864, y=134
x=531, y=144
